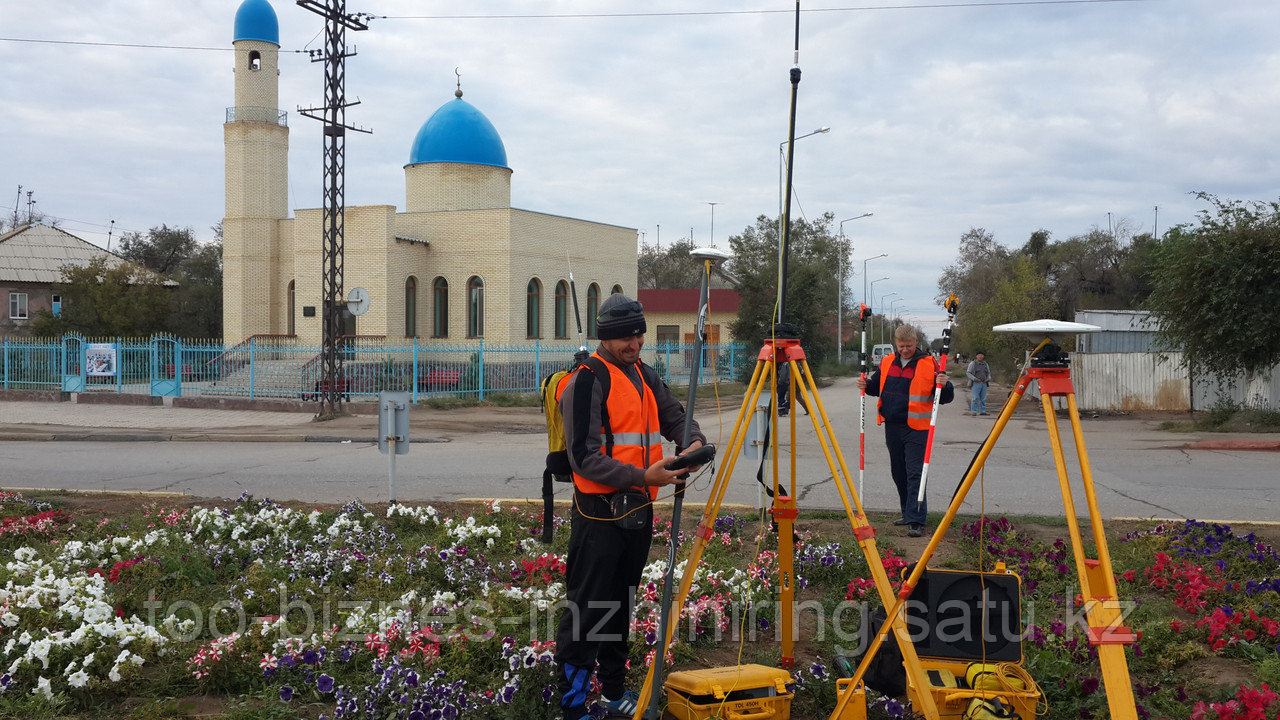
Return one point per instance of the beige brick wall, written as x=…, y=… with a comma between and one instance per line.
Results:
x=247, y=258
x=257, y=88
x=430, y=187
x=688, y=322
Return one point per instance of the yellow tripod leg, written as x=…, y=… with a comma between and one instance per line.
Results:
x=705, y=524
x=1097, y=584
x=865, y=535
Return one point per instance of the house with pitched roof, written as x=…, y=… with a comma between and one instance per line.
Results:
x=31, y=261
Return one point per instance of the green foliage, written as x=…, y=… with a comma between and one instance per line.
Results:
x=1216, y=286
x=102, y=301
x=811, y=283
x=669, y=268
x=1018, y=294
x=1043, y=278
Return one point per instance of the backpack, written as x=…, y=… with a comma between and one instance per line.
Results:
x=557, y=464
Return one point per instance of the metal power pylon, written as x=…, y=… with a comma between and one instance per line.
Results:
x=333, y=114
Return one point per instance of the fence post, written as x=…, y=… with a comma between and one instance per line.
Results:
x=733, y=360
x=251, y=368
x=6, y=362
x=119, y=365
x=481, y=369
x=667, y=350
x=537, y=363
x=413, y=392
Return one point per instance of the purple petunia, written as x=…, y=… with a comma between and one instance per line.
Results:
x=310, y=657
x=286, y=693
x=324, y=684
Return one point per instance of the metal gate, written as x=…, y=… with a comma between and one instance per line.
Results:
x=73, y=363
x=166, y=366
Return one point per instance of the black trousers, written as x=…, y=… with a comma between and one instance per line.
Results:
x=601, y=577
x=906, y=461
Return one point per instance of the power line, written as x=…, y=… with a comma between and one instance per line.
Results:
x=703, y=13
x=582, y=16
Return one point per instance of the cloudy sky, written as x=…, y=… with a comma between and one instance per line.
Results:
x=943, y=116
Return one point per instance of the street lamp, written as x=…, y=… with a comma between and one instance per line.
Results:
x=840, y=289
x=893, y=307
x=782, y=165
x=883, y=316
x=864, y=274
x=713, y=222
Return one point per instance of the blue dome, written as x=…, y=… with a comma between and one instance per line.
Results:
x=458, y=133
x=255, y=20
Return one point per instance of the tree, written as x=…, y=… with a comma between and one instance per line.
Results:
x=161, y=250
x=811, y=283
x=196, y=267
x=660, y=269
x=1019, y=294
x=99, y=301
x=1216, y=286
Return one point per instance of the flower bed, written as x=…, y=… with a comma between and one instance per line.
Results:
x=426, y=612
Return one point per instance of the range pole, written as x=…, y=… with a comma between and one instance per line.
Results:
x=333, y=114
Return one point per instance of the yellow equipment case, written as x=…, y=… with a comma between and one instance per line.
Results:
x=743, y=692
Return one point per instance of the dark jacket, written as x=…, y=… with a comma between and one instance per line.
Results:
x=894, y=397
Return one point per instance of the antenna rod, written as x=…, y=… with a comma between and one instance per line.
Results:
x=577, y=316
x=791, y=159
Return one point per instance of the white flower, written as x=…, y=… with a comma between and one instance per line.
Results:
x=78, y=679
x=114, y=675
x=43, y=687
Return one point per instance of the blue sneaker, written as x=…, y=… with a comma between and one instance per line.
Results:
x=624, y=706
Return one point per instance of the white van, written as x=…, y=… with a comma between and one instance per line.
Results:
x=878, y=353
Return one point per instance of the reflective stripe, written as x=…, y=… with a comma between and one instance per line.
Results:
x=919, y=416
x=641, y=439
x=920, y=398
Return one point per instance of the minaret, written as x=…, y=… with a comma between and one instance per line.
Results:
x=256, y=138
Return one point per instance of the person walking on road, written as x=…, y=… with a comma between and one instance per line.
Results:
x=979, y=374
x=616, y=412
x=904, y=382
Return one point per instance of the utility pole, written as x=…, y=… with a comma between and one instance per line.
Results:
x=333, y=114
x=16, y=203
x=30, y=202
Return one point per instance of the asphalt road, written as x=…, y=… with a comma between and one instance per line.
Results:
x=1138, y=471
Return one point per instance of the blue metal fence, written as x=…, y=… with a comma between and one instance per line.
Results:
x=284, y=367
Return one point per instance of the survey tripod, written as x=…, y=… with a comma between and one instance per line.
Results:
x=785, y=347
x=1049, y=367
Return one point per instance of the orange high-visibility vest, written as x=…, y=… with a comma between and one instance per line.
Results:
x=919, y=395
x=633, y=420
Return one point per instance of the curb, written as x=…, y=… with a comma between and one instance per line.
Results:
x=196, y=437
x=1236, y=444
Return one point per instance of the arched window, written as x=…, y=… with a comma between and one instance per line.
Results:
x=255, y=60
x=562, y=310
x=617, y=290
x=475, y=307
x=593, y=307
x=411, y=307
x=440, y=308
x=533, y=309
x=293, y=327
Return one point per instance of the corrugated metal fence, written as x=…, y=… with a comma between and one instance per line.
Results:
x=283, y=367
x=1159, y=381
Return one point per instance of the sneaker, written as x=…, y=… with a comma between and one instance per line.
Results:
x=624, y=706
x=899, y=523
x=984, y=413
x=916, y=530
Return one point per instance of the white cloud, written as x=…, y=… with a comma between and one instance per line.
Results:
x=1013, y=118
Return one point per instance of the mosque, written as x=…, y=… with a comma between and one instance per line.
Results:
x=458, y=263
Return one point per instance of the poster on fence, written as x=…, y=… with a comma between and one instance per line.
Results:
x=100, y=359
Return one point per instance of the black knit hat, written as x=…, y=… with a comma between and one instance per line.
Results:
x=620, y=317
